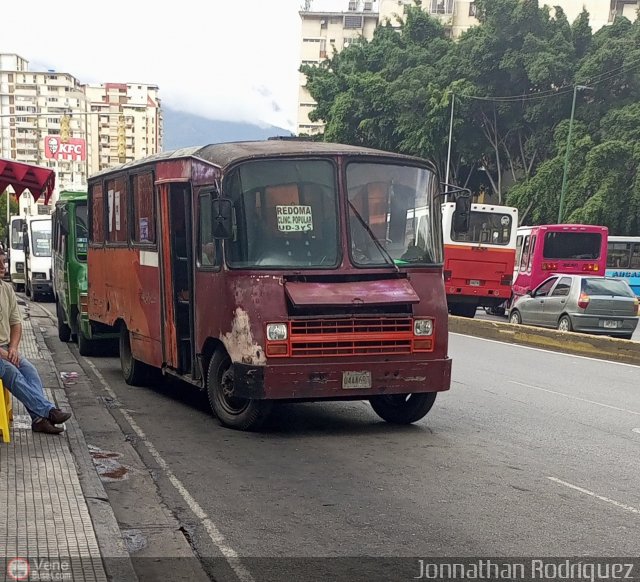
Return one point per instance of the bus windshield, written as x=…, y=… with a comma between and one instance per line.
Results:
x=486, y=228
x=391, y=215
x=82, y=233
x=572, y=245
x=16, y=235
x=285, y=214
x=41, y=238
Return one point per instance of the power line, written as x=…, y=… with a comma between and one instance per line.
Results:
x=562, y=90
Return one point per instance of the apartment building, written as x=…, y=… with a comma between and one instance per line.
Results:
x=50, y=119
x=325, y=32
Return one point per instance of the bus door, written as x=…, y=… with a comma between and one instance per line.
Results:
x=177, y=292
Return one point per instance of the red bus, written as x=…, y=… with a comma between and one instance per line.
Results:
x=276, y=270
x=478, y=263
x=544, y=250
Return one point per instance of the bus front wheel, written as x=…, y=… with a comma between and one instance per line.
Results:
x=232, y=411
x=64, y=331
x=403, y=408
x=134, y=371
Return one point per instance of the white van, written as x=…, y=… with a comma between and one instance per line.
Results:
x=37, y=250
x=16, y=253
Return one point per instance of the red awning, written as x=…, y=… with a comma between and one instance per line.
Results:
x=38, y=180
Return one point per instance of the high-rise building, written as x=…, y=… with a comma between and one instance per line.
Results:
x=50, y=119
x=325, y=32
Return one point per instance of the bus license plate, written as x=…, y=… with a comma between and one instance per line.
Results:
x=356, y=380
x=609, y=323
x=474, y=283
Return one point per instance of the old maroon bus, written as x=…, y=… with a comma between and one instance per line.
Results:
x=276, y=270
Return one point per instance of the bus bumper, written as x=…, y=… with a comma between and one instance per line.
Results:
x=323, y=380
x=41, y=286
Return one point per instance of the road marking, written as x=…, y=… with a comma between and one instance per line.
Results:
x=592, y=494
x=601, y=361
x=574, y=397
x=214, y=533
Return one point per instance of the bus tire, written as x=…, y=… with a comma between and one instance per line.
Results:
x=237, y=413
x=64, y=331
x=403, y=408
x=85, y=345
x=134, y=371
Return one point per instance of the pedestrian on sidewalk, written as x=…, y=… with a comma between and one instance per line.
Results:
x=17, y=373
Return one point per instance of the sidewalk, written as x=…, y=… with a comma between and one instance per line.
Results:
x=45, y=518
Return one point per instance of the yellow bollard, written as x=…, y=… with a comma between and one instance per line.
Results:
x=6, y=413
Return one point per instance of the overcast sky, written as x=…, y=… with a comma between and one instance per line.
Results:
x=235, y=60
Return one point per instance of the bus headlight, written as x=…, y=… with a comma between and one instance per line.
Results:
x=277, y=332
x=423, y=326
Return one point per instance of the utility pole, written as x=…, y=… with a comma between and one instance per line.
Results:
x=565, y=173
x=453, y=103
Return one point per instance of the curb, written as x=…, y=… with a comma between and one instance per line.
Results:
x=115, y=557
x=578, y=344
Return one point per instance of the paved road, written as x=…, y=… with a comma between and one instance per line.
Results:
x=530, y=453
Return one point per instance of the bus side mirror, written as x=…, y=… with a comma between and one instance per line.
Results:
x=221, y=218
x=462, y=214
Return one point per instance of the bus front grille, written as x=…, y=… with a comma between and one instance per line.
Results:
x=351, y=337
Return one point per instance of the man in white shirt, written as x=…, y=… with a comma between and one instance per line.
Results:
x=19, y=375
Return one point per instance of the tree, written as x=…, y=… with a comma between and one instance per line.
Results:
x=13, y=208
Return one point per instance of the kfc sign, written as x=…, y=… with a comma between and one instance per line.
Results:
x=73, y=150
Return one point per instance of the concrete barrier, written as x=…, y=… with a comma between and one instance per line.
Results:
x=593, y=346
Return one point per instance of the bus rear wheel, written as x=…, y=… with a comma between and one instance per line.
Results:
x=232, y=412
x=134, y=371
x=64, y=331
x=85, y=345
x=403, y=408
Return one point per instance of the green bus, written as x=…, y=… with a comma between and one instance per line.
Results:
x=69, y=263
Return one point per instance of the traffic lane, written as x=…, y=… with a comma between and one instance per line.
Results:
x=330, y=479
x=482, y=314
x=581, y=416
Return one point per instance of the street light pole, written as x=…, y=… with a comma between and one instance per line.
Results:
x=565, y=173
x=453, y=102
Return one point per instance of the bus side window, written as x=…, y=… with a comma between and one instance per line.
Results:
x=531, y=252
x=635, y=257
x=96, y=205
x=525, y=254
x=206, y=245
x=518, y=249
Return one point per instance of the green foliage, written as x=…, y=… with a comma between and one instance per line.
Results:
x=13, y=207
x=395, y=93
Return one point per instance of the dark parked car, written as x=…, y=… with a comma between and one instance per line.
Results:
x=588, y=304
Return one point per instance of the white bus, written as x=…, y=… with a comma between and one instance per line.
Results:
x=16, y=253
x=37, y=247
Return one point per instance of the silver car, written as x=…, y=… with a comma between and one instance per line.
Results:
x=596, y=305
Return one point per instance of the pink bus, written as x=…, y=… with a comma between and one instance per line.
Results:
x=544, y=250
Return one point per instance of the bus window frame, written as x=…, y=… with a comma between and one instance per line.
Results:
x=109, y=243
x=147, y=246
x=524, y=255
x=336, y=164
x=90, y=203
x=212, y=192
x=532, y=251
x=432, y=210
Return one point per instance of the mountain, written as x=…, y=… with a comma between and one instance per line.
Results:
x=185, y=129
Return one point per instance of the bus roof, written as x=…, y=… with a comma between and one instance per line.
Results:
x=624, y=239
x=556, y=227
x=69, y=195
x=225, y=154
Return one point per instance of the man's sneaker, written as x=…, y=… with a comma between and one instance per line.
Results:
x=44, y=425
x=56, y=416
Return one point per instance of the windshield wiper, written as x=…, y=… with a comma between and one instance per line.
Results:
x=385, y=254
